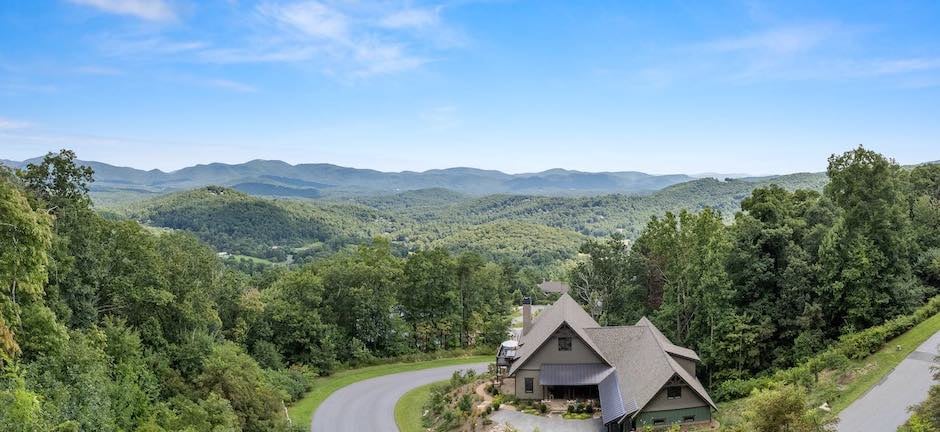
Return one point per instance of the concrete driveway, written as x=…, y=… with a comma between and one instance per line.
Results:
x=529, y=423
x=884, y=407
x=369, y=405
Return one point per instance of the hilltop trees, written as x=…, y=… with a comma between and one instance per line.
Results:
x=866, y=255
x=793, y=272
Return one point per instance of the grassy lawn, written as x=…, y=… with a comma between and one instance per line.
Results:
x=302, y=412
x=256, y=259
x=867, y=372
x=410, y=407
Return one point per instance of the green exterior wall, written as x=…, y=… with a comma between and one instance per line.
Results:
x=673, y=416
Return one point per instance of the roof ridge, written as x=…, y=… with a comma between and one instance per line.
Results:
x=615, y=327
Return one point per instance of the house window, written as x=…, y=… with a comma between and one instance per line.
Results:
x=529, y=385
x=659, y=421
x=673, y=392
x=564, y=344
x=688, y=419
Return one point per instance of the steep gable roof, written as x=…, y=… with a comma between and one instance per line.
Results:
x=564, y=311
x=666, y=343
x=643, y=365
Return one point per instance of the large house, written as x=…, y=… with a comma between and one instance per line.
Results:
x=639, y=377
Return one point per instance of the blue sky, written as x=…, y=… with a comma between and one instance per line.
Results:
x=661, y=87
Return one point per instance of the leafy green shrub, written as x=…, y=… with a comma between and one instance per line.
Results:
x=856, y=345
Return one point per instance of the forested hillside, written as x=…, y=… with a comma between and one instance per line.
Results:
x=276, y=178
x=236, y=222
x=793, y=272
x=529, y=230
x=108, y=326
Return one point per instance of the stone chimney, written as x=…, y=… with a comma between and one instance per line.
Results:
x=526, y=315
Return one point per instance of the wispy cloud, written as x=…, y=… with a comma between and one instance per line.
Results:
x=10, y=124
x=412, y=18
x=343, y=39
x=777, y=41
x=370, y=45
x=817, y=51
x=440, y=117
x=310, y=18
x=151, y=10
x=230, y=85
x=98, y=70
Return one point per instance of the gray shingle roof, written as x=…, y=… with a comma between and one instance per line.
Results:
x=642, y=363
x=668, y=345
x=641, y=356
x=565, y=311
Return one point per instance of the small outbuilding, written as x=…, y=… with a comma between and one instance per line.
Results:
x=554, y=287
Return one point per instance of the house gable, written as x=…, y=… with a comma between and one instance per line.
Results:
x=549, y=353
x=687, y=397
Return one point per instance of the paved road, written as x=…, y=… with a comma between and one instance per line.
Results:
x=369, y=405
x=884, y=407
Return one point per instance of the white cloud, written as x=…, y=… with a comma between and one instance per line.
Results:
x=10, y=124
x=98, y=70
x=342, y=39
x=311, y=18
x=230, y=85
x=903, y=66
x=381, y=58
x=785, y=40
x=440, y=117
x=151, y=10
x=411, y=18
x=352, y=39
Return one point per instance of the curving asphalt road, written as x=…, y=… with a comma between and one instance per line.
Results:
x=884, y=407
x=369, y=405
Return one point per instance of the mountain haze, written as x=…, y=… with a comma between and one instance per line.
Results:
x=278, y=178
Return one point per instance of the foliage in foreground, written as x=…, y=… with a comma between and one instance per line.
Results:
x=108, y=326
x=795, y=273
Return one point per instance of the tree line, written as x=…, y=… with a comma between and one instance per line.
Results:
x=793, y=271
x=107, y=325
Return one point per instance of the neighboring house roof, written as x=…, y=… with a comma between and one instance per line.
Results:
x=565, y=311
x=640, y=355
x=554, y=287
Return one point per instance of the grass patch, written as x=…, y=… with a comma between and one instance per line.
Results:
x=410, y=408
x=301, y=412
x=254, y=259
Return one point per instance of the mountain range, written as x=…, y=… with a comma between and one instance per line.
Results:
x=281, y=179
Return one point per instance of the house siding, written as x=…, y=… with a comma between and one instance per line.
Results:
x=521, y=375
x=661, y=402
x=673, y=416
x=548, y=353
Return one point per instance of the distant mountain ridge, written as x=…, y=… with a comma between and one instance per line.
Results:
x=278, y=178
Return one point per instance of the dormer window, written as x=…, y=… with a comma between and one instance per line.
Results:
x=564, y=343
